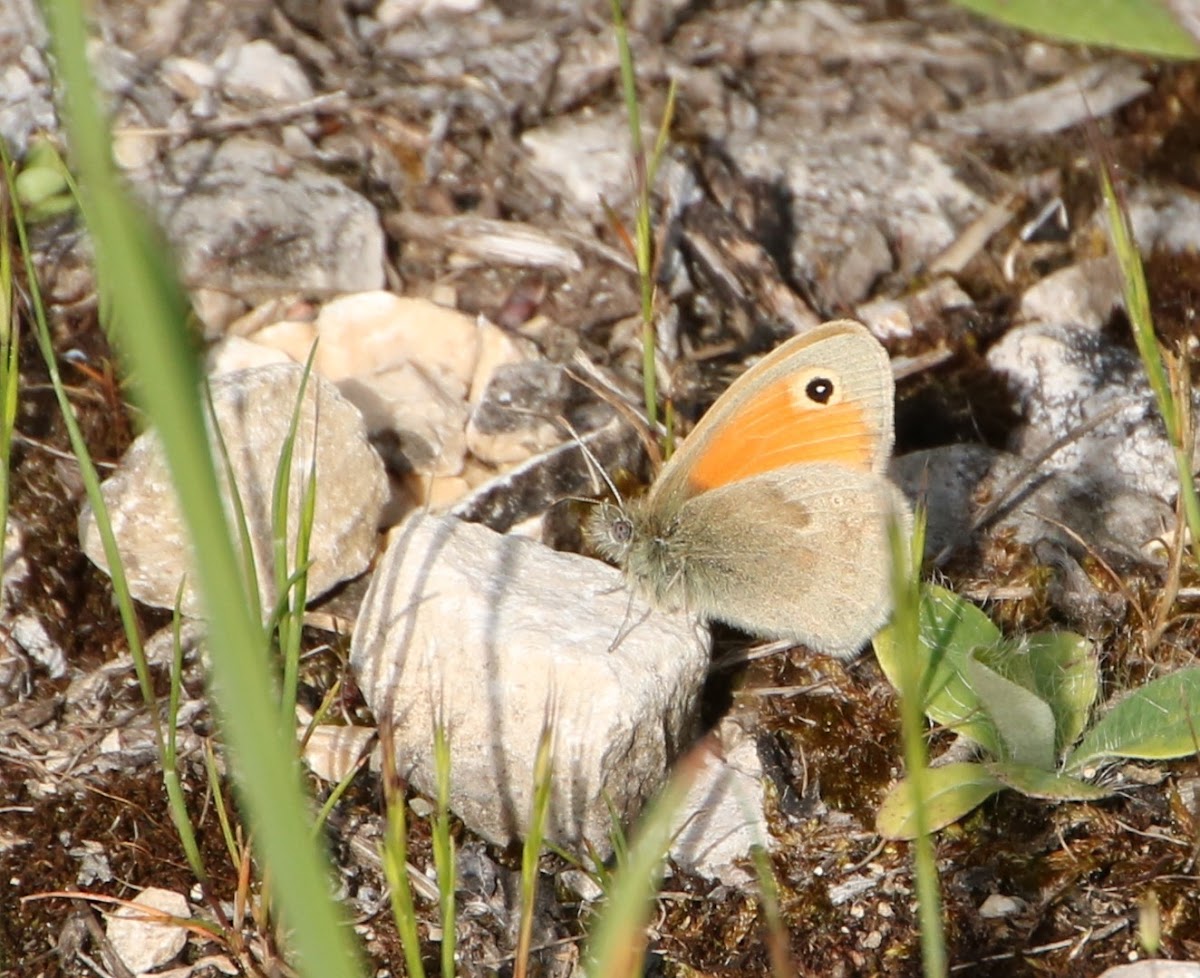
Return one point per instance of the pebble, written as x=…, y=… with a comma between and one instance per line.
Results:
x=1085, y=294
x=585, y=157
x=959, y=481
x=142, y=942
x=259, y=71
x=722, y=818
x=846, y=236
x=29, y=639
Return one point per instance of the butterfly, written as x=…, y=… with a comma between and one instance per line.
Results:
x=773, y=516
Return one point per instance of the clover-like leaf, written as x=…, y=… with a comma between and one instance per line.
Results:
x=1037, y=782
x=1157, y=721
x=1023, y=719
x=952, y=791
x=1060, y=668
x=951, y=628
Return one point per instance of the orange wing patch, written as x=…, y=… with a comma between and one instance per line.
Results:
x=772, y=430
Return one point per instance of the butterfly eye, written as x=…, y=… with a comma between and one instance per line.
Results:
x=817, y=388
x=622, y=530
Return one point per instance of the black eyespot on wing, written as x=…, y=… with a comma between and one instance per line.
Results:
x=819, y=390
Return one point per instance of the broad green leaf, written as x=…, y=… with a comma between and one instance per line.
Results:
x=951, y=629
x=1022, y=718
x=1050, y=785
x=1060, y=668
x=1132, y=25
x=953, y=790
x=1157, y=721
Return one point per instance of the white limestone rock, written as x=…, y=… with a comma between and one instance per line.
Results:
x=497, y=637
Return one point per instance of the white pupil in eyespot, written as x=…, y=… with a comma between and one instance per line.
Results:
x=819, y=390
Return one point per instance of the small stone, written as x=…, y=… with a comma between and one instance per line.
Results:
x=333, y=751
x=254, y=409
x=957, y=482
x=499, y=638
x=411, y=409
x=187, y=77
x=144, y=940
x=1164, y=217
x=582, y=884
x=514, y=418
x=497, y=348
x=722, y=818
x=1086, y=294
x=394, y=13
x=259, y=71
x=998, y=906
x=900, y=318
x=586, y=157
x=26, y=631
x=235, y=353
x=368, y=333
x=245, y=219
x=295, y=339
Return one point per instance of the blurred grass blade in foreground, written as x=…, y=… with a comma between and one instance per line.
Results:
x=146, y=311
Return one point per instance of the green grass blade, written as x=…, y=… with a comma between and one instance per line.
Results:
x=443, y=848
x=906, y=591
x=148, y=327
x=618, y=941
x=543, y=773
x=291, y=588
x=1137, y=305
x=10, y=343
x=165, y=744
x=170, y=752
x=394, y=850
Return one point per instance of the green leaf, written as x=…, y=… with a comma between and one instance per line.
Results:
x=1049, y=785
x=951, y=629
x=1132, y=25
x=1061, y=668
x=953, y=790
x=1157, y=721
x=1022, y=718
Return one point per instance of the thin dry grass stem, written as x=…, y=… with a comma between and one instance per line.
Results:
x=1026, y=473
x=607, y=393
x=782, y=965
x=543, y=772
x=1178, y=372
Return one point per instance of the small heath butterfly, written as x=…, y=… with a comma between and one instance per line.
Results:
x=773, y=515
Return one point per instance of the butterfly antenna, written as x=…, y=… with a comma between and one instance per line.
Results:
x=594, y=467
x=586, y=374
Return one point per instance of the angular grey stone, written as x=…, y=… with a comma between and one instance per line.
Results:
x=254, y=409
x=722, y=818
x=246, y=219
x=1065, y=376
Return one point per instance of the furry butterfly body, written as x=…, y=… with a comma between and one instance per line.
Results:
x=773, y=516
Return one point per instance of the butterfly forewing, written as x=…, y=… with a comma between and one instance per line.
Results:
x=825, y=396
